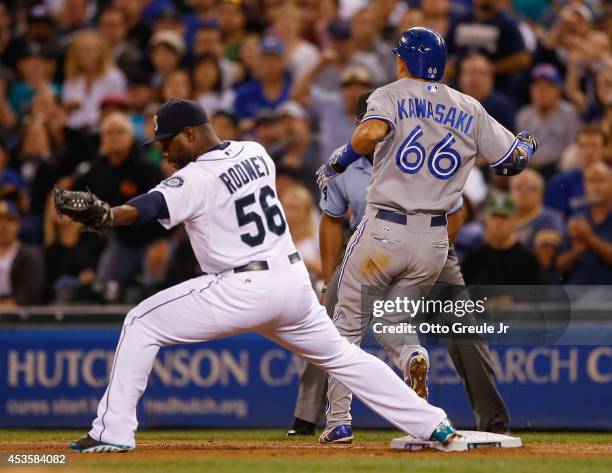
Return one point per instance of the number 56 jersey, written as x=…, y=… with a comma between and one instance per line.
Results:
x=435, y=134
x=227, y=201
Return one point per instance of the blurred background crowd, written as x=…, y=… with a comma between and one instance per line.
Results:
x=80, y=81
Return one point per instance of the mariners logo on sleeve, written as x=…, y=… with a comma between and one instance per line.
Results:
x=174, y=181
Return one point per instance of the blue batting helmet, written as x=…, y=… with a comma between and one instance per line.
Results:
x=424, y=53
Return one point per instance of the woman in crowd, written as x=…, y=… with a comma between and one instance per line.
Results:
x=90, y=76
x=208, y=85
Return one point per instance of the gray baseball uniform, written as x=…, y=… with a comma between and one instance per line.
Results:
x=436, y=132
x=419, y=171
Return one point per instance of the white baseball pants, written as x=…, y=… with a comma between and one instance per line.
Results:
x=279, y=304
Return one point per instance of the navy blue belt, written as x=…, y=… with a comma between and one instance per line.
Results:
x=402, y=219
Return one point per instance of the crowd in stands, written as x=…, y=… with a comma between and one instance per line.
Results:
x=81, y=80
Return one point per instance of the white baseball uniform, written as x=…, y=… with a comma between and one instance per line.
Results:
x=227, y=201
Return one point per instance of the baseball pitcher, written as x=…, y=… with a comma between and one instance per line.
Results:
x=425, y=137
x=254, y=280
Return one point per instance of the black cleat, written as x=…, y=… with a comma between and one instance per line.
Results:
x=301, y=427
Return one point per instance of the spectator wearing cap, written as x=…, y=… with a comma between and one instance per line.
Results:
x=502, y=259
x=116, y=175
x=22, y=271
x=232, y=26
x=491, y=30
x=476, y=79
x=203, y=12
x=90, y=76
x=587, y=247
x=565, y=190
x=166, y=49
x=36, y=67
x=287, y=25
x=334, y=112
x=271, y=87
x=537, y=227
x=300, y=152
x=113, y=26
x=552, y=120
x=209, y=92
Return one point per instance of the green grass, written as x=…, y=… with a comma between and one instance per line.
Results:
x=337, y=463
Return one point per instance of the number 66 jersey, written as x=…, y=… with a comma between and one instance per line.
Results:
x=227, y=201
x=435, y=133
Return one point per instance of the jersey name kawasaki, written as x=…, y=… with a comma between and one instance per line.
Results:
x=227, y=201
x=435, y=134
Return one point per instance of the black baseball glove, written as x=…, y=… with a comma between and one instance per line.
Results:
x=84, y=207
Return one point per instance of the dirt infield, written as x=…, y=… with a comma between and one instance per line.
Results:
x=202, y=449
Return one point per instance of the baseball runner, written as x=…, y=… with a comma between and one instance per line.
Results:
x=425, y=136
x=340, y=194
x=224, y=194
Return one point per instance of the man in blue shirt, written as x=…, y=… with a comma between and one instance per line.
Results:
x=565, y=191
x=272, y=86
x=587, y=258
x=538, y=228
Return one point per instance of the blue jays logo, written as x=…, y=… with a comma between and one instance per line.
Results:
x=174, y=181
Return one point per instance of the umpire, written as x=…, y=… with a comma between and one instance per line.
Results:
x=472, y=360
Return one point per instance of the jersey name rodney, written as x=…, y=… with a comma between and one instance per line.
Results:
x=228, y=203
